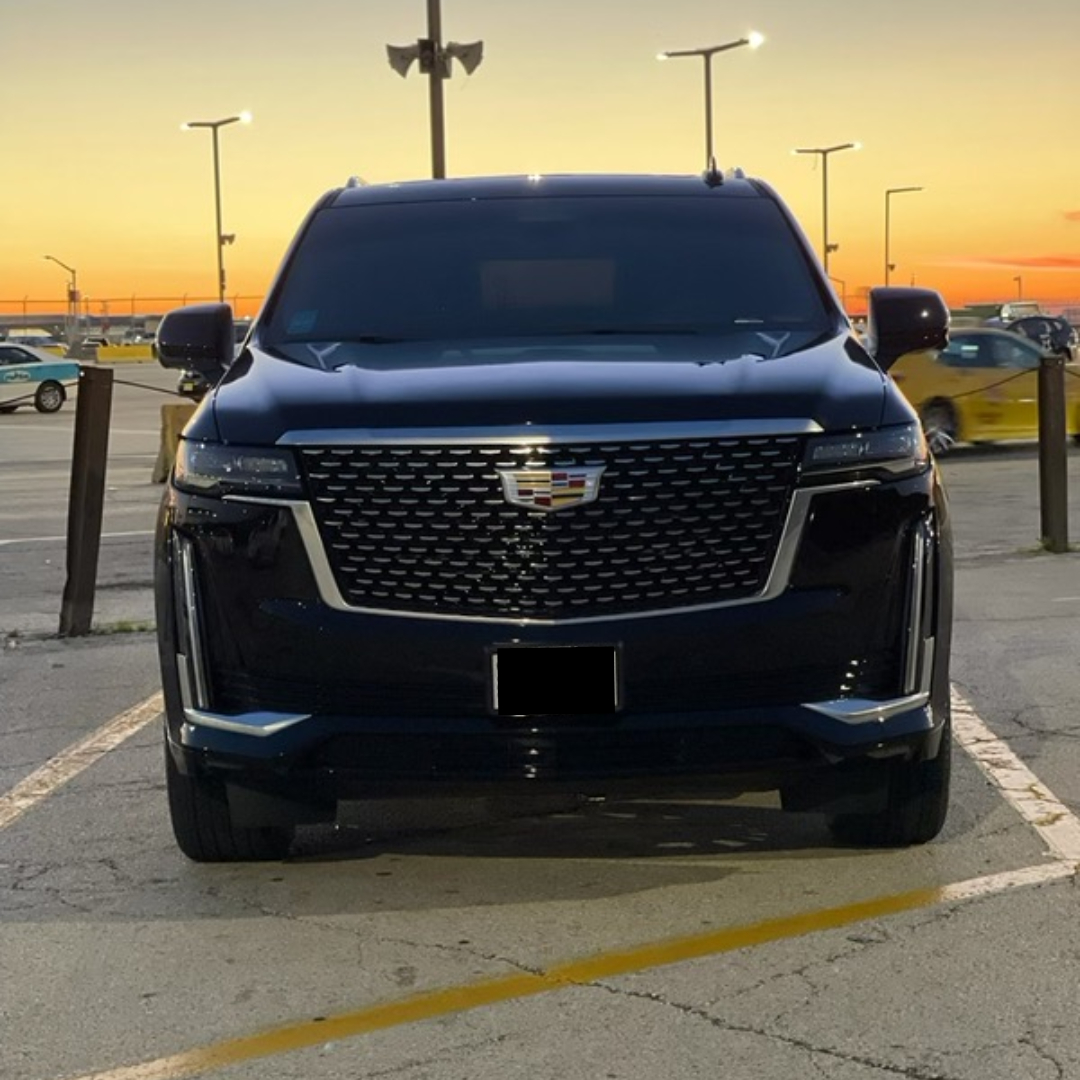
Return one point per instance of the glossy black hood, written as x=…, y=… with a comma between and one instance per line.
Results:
x=264, y=397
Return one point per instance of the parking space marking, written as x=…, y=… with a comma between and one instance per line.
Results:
x=590, y=970
x=36, y=540
x=66, y=765
x=1020, y=787
x=1050, y=818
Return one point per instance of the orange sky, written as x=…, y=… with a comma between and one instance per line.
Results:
x=978, y=111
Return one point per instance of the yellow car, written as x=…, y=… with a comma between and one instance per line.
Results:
x=982, y=387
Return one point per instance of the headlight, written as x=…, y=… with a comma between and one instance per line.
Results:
x=887, y=452
x=212, y=469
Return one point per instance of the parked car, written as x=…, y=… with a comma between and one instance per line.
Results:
x=982, y=387
x=193, y=383
x=1051, y=332
x=44, y=342
x=599, y=493
x=33, y=376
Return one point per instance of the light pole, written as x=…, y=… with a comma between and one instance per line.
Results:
x=753, y=40
x=889, y=193
x=823, y=152
x=1019, y=287
x=220, y=238
x=434, y=61
x=843, y=290
x=72, y=319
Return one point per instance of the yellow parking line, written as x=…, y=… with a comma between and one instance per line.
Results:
x=426, y=1006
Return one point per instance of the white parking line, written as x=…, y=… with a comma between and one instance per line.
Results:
x=66, y=765
x=1019, y=786
x=34, y=540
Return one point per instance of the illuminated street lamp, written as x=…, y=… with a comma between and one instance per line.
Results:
x=823, y=152
x=72, y=319
x=433, y=59
x=220, y=238
x=888, y=195
x=752, y=40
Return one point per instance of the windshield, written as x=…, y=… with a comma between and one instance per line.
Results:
x=476, y=273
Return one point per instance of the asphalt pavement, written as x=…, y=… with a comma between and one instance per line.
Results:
x=123, y=951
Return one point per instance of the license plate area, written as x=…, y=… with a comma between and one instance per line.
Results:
x=555, y=680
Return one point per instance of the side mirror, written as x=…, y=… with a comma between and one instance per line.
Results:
x=903, y=320
x=199, y=336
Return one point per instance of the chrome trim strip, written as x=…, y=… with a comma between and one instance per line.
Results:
x=183, y=676
x=552, y=433
x=777, y=583
x=916, y=615
x=259, y=724
x=865, y=711
x=193, y=639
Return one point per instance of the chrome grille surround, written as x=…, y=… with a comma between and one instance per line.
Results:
x=688, y=516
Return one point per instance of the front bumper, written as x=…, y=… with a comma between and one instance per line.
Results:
x=272, y=686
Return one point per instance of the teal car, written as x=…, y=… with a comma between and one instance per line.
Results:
x=30, y=376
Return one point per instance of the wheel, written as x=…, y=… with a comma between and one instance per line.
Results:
x=204, y=831
x=917, y=802
x=940, y=426
x=49, y=397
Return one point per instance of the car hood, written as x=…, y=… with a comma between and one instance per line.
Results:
x=264, y=397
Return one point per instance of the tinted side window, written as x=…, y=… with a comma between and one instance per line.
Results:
x=964, y=353
x=1016, y=353
x=9, y=355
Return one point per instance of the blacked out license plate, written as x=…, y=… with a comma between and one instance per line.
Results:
x=555, y=680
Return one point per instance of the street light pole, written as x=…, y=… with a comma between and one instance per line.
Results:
x=220, y=238
x=823, y=152
x=434, y=61
x=1019, y=287
x=72, y=300
x=889, y=192
x=753, y=40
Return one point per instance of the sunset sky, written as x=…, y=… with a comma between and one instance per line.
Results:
x=977, y=104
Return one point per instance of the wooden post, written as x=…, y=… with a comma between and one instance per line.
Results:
x=86, y=500
x=1053, y=456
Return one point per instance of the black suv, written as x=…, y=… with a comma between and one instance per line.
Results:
x=553, y=483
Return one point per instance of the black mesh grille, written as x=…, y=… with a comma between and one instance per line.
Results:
x=428, y=529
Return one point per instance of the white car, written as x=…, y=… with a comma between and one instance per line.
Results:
x=32, y=376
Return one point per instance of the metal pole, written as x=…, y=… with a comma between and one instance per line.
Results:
x=708, y=111
x=217, y=215
x=825, y=208
x=438, y=120
x=887, y=194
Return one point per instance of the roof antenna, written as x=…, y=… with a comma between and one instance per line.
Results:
x=712, y=176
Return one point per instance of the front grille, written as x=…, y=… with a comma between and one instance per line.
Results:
x=426, y=529
x=333, y=693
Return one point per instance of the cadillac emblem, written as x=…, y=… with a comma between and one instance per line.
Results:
x=551, y=489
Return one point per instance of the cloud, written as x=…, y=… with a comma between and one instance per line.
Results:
x=1071, y=215
x=1017, y=262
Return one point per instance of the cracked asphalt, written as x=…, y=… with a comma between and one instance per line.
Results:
x=114, y=950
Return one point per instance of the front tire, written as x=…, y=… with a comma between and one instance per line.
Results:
x=916, y=804
x=49, y=397
x=940, y=425
x=202, y=825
